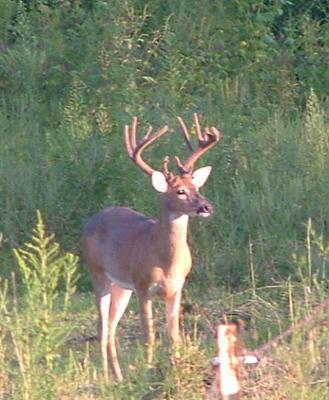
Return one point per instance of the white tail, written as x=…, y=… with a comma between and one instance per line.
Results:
x=127, y=251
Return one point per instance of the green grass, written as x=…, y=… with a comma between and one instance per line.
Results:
x=71, y=76
x=49, y=350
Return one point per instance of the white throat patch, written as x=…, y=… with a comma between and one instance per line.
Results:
x=178, y=219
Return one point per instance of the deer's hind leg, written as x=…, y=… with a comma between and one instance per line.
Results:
x=119, y=300
x=103, y=301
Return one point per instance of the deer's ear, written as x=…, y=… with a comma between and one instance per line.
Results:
x=200, y=176
x=159, y=182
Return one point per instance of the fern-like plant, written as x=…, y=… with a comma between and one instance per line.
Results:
x=35, y=320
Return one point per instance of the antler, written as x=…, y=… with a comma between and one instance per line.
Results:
x=135, y=149
x=206, y=140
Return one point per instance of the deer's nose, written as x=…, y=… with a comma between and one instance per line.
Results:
x=205, y=209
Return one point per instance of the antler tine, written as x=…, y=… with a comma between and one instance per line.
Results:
x=165, y=166
x=133, y=132
x=212, y=136
x=206, y=140
x=180, y=166
x=135, y=149
x=185, y=133
x=197, y=127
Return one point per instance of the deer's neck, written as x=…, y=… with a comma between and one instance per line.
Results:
x=172, y=233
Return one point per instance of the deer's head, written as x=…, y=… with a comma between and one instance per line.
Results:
x=180, y=192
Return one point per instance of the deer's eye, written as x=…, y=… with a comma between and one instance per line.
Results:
x=181, y=191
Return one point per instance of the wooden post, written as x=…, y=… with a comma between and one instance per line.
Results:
x=225, y=365
x=230, y=353
x=229, y=368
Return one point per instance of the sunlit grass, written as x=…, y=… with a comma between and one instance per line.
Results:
x=49, y=349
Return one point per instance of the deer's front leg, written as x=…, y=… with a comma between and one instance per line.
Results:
x=148, y=325
x=172, y=315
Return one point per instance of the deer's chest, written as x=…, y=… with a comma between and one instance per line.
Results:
x=166, y=287
x=169, y=278
x=162, y=267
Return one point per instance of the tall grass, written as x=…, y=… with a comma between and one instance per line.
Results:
x=268, y=179
x=72, y=74
x=48, y=348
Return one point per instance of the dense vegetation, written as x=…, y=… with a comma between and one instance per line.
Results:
x=72, y=73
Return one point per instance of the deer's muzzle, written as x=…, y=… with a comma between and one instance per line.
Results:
x=205, y=210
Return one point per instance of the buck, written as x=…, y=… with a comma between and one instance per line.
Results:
x=128, y=252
